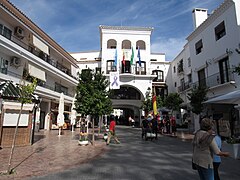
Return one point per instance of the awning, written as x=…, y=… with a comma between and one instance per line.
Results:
x=229, y=98
x=36, y=72
x=40, y=45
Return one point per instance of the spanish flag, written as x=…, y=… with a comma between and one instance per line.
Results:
x=154, y=101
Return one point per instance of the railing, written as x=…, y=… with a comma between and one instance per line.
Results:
x=39, y=83
x=40, y=54
x=211, y=81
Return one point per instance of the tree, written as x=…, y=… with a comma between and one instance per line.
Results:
x=26, y=92
x=147, y=102
x=237, y=69
x=173, y=101
x=92, y=96
x=196, y=97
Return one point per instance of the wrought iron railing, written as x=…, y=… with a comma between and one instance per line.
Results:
x=211, y=81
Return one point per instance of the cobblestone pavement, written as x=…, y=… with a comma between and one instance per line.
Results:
x=54, y=157
x=50, y=153
x=168, y=158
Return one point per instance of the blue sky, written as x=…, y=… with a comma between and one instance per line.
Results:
x=74, y=24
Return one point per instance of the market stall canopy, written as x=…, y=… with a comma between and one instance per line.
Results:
x=229, y=98
x=11, y=91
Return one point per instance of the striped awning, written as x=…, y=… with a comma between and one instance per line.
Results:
x=11, y=91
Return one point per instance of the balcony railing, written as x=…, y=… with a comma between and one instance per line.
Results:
x=211, y=81
x=41, y=55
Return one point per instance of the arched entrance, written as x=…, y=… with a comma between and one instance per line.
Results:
x=127, y=101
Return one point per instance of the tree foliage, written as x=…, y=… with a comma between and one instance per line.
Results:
x=173, y=101
x=92, y=96
x=147, y=104
x=237, y=69
x=196, y=97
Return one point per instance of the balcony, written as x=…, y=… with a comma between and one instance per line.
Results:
x=212, y=81
x=39, y=54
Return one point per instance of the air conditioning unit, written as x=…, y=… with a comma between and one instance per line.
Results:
x=19, y=32
x=16, y=62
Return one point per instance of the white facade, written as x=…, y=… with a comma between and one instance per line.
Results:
x=122, y=41
x=25, y=52
x=210, y=55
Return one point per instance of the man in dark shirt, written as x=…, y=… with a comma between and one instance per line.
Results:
x=144, y=127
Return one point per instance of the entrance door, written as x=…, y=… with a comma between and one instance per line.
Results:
x=42, y=120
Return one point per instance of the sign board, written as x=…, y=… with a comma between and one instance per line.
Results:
x=114, y=80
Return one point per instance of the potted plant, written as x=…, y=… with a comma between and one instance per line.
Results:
x=235, y=142
x=83, y=138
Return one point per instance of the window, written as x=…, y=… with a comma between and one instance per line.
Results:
x=61, y=89
x=174, y=69
x=111, y=44
x=223, y=69
x=202, y=78
x=175, y=84
x=220, y=31
x=141, y=45
x=199, y=46
x=98, y=69
x=189, y=62
x=180, y=66
x=189, y=76
x=110, y=66
x=3, y=65
x=5, y=31
x=127, y=67
x=126, y=44
x=160, y=77
x=141, y=69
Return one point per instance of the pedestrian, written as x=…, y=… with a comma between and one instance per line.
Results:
x=144, y=127
x=112, y=132
x=204, y=146
x=173, y=124
x=168, y=125
x=154, y=126
x=216, y=158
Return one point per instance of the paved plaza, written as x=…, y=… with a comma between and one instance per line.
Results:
x=167, y=158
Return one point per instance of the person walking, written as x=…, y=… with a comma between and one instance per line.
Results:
x=204, y=146
x=216, y=158
x=144, y=127
x=112, y=132
x=155, y=127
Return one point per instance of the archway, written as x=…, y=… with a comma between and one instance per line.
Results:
x=127, y=101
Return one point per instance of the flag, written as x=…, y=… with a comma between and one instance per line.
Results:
x=123, y=60
x=139, y=57
x=132, y=57
x=115, y=59
x=154, y=101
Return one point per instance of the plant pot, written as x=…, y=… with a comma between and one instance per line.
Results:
x=83, y=143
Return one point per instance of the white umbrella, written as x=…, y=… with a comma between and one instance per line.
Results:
x=229, y=98
x=73, y=115
x=60, y=116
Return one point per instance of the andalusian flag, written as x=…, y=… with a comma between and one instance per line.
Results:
x=132, y=57
x=154, y=101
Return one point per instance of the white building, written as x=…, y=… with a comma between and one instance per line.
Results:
x=135, y=80
x=208, y=59
x=26, y=52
